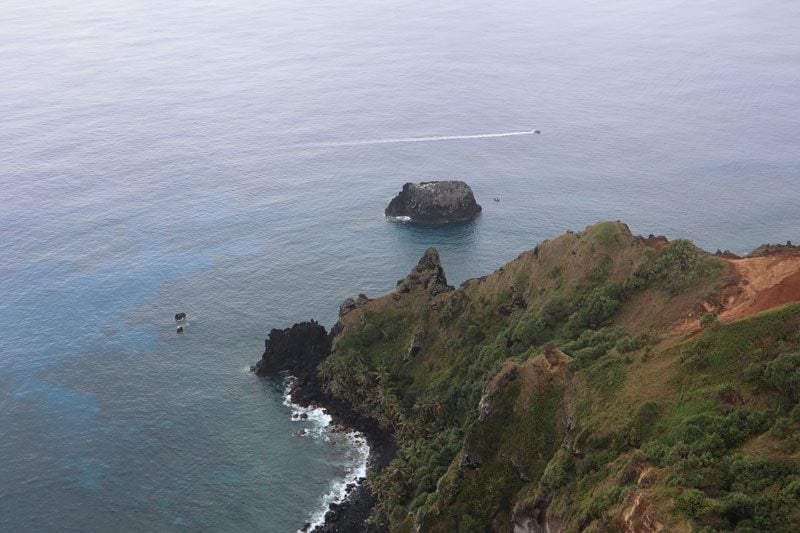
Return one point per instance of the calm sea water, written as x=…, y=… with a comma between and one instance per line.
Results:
x=158, y=157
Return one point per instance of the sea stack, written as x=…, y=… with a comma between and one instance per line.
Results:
x=435, y=202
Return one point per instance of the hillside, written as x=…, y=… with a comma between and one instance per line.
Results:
x=601, y=381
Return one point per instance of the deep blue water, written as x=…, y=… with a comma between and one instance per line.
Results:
x=170, y=156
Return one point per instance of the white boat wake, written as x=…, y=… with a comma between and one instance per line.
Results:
x=422, y=139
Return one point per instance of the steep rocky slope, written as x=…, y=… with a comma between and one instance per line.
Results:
x=601, y=381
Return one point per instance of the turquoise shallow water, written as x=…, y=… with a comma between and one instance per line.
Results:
x=187, y=157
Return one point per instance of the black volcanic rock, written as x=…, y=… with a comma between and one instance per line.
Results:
x=296, y=350
x=435, y=202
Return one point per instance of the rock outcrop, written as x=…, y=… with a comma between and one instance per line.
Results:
x=352, y=303
x=299, y=350
x=772, y=249
x=427, y=275
x=435, y=202
x=415, y=346
x=296, y=350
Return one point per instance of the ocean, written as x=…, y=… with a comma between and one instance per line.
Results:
x=232, y=160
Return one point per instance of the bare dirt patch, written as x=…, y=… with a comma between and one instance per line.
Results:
x=755, y=284
x=638, y=515
x=766, y=282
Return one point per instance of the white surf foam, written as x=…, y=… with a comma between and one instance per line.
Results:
x=434, y=138
x=356, y=471
x=357, y=454
x=319, y=418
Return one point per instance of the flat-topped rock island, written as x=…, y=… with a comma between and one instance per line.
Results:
x=434, y=202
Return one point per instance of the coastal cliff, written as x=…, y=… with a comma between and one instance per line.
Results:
x=298, y=351
x=599, y=382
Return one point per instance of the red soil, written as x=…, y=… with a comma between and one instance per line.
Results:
x=766, y=282
x=755, y=284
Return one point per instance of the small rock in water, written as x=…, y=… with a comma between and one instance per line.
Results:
x=179, y=329
x=180, y=316
x=304, y=416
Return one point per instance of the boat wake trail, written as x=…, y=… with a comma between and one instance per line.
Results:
x=421, y=139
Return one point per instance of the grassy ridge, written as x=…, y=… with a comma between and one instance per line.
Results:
x=568, y=443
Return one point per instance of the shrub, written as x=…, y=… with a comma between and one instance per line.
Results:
x=590, y=338
x=639, y=426
x=642, y=340
x=554, y=311
x=782, y=428
x=727, y=393
x=654, y=451
x=594, y=308
x=535, y=328
x=709, y=320
x=473, y=335
x=646, y=414
x=677, y=267
x=691, y=502
x=784, y=373
x=737, y=506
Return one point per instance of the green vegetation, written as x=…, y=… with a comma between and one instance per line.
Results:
x=645, y=339
x=509, y=447
x=492, y=431
x=594, y=308
x=533, y=329
x=716, y=481
x=709, y=320
x=679, y=266
x=593, y=344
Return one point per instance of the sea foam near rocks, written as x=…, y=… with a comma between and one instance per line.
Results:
x=357, y=455
x=317, y=416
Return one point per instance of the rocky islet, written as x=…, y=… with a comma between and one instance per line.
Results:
x=435, y=203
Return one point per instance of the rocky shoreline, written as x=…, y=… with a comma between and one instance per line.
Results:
x=298, y=351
